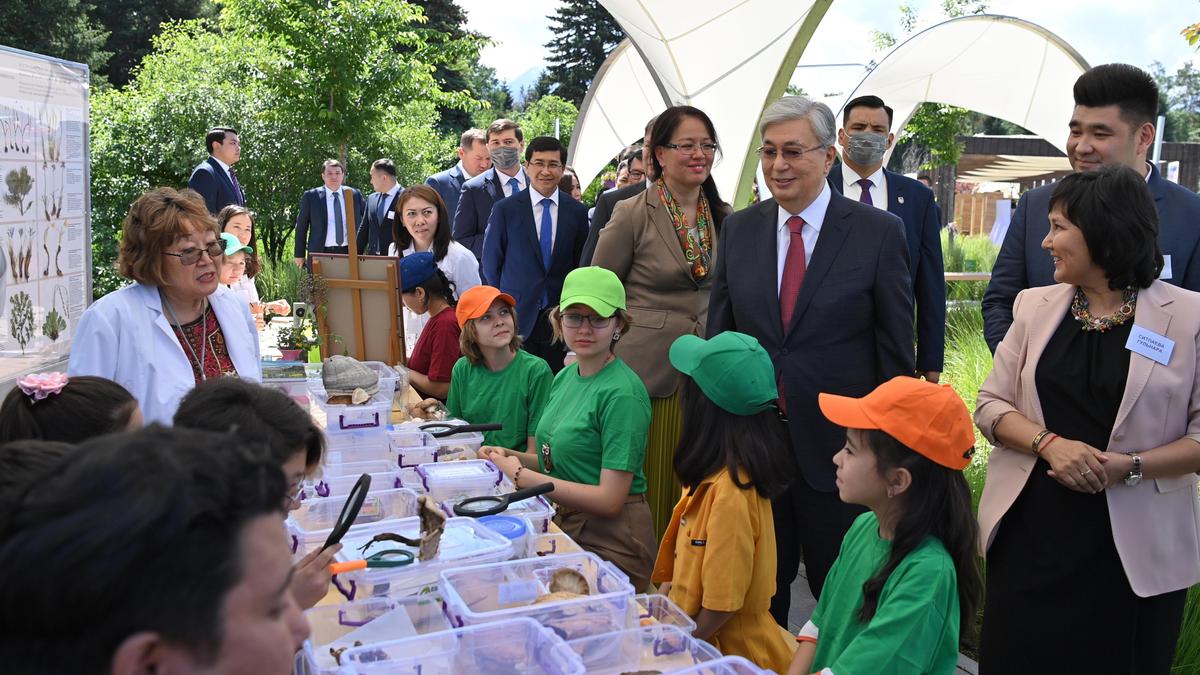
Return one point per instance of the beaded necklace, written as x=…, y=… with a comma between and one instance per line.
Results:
x=1079, y=309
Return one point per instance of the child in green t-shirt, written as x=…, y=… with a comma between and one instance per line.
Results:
x=496, y=381
x=906, y=579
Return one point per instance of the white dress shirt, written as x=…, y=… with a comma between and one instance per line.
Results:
x=852, y=190
x=814, y=218
x=391, y=194
x=330, y=228
x=537, y=197
x=522, y=181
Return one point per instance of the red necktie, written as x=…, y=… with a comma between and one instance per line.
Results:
x=793, y=272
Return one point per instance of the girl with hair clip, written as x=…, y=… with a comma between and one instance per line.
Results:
x=54, y=407
x=496, y=380
x=717, y=560
x=906, y=580
x=425, y=289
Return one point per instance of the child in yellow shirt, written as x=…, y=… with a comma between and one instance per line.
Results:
x=717, y=559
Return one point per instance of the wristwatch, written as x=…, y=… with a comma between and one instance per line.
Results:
x=1135, y=474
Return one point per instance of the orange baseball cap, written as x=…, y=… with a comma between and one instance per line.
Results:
x=475, y=302
x=929, y=418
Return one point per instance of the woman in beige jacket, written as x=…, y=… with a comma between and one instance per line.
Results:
x=661, y=244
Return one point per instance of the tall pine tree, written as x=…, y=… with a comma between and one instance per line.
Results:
x=447, y=21
x=584, y=35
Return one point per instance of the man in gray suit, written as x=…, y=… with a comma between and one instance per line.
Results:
x=835, y=313
x=473, y=159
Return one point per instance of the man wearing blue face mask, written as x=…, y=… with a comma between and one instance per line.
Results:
x=505, y=143
x=865, y=137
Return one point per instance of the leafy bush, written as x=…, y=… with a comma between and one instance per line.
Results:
x=279, y=279
x=966, y=253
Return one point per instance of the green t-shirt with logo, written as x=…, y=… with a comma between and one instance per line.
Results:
x=593, y=423
x=513, y=397
x=915, y=627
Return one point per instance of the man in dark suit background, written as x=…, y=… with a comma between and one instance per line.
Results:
x=473, y=159
x=215, y=178
x=834, y=312
x=608, y=201
x=506, y=177
x=865, y=136
x=375, y=230
x=321, y=225
x=534, y=238
x=1112, y=123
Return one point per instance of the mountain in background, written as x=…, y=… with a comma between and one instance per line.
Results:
x=525, y=81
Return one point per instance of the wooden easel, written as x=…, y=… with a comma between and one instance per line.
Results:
x=354, y=282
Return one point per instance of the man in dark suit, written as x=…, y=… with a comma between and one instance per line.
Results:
x=534, y=238
x=864, y=138
x=321, y=226
x=506, y=177
x=375, y=230
x=834, y=312
x=473, y=159
x=215, y=178
x=608, y=201
x=1113, y=123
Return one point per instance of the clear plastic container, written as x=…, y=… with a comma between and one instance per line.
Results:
x=516, y=646
x=464, y=542
x=554, y=543
x=389, y=379
x=342, y=468
x=726, y=665
x=408, y=435
x=459, y=446
x=296, y=389
x=358, y=446
x=655, y=609
x=539, y=511
x=655, y=648
x=416, y=455
x=486, y=593
x=340, y=486
x=367, y=622
x=516, y=530
x=367, y=422
x=458, y=480
x=322, y=513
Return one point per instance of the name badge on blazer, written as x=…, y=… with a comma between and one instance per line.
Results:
x=391, y=215
x=699, y=542
x=1149, y=344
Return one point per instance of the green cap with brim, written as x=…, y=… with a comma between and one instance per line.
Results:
x=732, y=369
x=595, y=287
x=232, y=245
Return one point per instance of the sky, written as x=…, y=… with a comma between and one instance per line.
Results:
x=1102, y=31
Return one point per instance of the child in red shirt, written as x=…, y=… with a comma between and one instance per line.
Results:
x=424, y=288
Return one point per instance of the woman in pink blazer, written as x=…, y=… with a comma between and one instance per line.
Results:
x=1089, y=517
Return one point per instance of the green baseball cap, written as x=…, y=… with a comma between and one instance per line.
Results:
x=595, y=287
x=731, y=368
x=232, y=245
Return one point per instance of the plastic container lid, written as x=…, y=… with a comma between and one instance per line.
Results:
x=507, y=526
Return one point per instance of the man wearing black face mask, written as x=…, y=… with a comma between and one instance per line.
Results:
x=865, y=136
x=505, y=144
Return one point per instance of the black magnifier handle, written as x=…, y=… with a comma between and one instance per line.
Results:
x=491, y=505
x=438, y=430
x=526, y=493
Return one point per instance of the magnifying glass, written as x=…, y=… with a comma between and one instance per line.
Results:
x=358, y=494
x=441, y=429
x=476, y=507
x=395, y=557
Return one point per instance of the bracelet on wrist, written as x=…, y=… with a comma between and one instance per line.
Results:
x=1046, y=443
x=1035, y=446
x=517, y=477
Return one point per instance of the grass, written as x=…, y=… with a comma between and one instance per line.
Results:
x=968, y=363
x=279, y=279
x=967, y=254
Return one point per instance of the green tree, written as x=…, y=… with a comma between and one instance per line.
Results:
x=132, y=25
x=446, y=23
x=497, y=99
x=538, y=119
x=584, y=35
x=59, y=28
x=1179, y=101
x=292, y=97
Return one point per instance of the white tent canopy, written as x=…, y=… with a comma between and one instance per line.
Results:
x=624, y=95
x=997, y=65
x=728, y=58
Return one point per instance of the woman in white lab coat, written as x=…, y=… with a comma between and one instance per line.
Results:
x=173, y=327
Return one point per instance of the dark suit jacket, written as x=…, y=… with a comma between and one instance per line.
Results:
x=448, y=184
x=852, y=327
x=914, y=204
x=213, y=183
x=1023, y=264
x=512, y=254
x=375, y=235
x=605, y=204
x=311, y=222
x=475, y=206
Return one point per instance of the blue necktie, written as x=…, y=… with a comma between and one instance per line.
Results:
x=514, y=185
x=546, y=235
x=339, y=226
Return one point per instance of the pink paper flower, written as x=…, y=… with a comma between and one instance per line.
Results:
x=40, y=385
